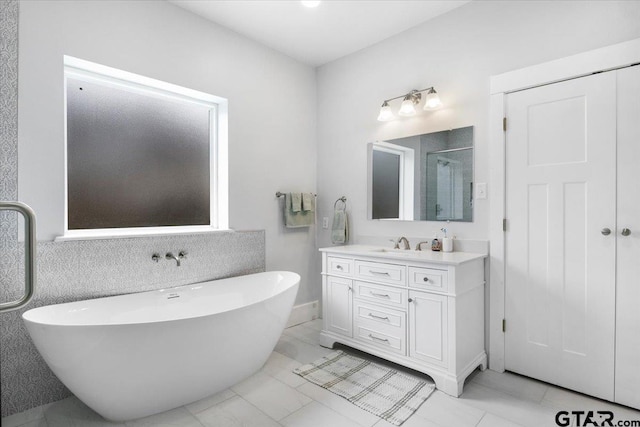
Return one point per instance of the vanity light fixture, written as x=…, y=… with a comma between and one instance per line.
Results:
x=409, y=102
x=432, y=100
x=385, y=113
x=311, y=3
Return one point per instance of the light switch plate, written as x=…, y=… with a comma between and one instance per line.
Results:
x=481, y=190
x=325, y=222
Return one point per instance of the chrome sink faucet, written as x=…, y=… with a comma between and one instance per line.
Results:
x=405, y=241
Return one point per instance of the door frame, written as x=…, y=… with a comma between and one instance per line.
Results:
x=583, y=64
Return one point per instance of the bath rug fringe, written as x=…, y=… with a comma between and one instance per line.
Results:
x=387, y=393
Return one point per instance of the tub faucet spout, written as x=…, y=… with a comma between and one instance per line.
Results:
x=170, y=255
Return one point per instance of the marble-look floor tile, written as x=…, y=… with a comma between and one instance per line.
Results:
x=42, y=422
x=449, y=411
x=490, y=420
x=271, y=396
x=563, y=399
x=515, y=385
x=517, y=410
x=209, y=401
x=317, y=415
x=178, y=417
x=71, y=412
x=281, y=368
x=299, y=350
x=314, y=324
x=413, y=421
x=235, y=412
x=30, y=415
x=338, y=404
x=304, y=333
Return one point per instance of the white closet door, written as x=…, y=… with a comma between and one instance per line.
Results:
x=560, y=274
x=628, y=274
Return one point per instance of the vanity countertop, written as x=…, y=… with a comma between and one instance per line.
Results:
x=447, y=258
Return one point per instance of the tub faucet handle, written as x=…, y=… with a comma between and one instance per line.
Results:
x=155, y=257
x=182, y=254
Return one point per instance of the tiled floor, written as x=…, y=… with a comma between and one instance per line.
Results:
x=277, y=397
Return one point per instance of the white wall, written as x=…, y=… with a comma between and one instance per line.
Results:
x=457, y=53
x=272, y=109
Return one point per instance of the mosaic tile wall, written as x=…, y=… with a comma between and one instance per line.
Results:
x=78, y=270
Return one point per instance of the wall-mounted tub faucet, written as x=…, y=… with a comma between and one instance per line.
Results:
x=170, y=255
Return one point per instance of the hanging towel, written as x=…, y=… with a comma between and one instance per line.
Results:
x=340, y=226
x=308, y=202
x=296, y=202
x=297, y=219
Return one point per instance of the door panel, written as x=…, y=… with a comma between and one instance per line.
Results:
x=560, y=276
x=628, y=251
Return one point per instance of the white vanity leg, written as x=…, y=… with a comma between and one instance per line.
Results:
x=326, y=341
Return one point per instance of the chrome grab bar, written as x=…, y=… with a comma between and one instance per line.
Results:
x=29, y=254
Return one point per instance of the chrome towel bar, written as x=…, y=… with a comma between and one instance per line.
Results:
x=280, y=194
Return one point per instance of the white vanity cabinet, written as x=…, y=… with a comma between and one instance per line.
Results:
x=423, y=310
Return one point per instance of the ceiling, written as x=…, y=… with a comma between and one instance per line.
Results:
x=318, y=35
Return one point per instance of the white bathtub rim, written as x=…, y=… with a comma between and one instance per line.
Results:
x=295, y=282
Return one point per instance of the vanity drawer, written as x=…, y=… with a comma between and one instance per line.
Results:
x=380, y=272
x=381, y=294
x=388, y=342
x=428, y=278
x=342, y=266
x=383, y=316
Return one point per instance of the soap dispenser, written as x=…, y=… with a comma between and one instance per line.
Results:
x=447, y=242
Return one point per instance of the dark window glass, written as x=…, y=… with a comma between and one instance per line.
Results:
x=135, y=160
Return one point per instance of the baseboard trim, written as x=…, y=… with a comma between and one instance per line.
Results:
x=304, y=313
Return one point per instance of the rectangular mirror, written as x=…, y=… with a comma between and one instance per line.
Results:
x=425, y=177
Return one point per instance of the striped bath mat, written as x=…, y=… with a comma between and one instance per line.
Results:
x=389, y=394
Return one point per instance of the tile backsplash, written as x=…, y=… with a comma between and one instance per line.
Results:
x=76, y=270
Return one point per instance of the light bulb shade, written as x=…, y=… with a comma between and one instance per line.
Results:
x=432, y=100
x=385, y=113
x=407, y=108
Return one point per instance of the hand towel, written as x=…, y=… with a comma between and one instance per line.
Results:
x=308, y=202
x=296, y=202
x=296, y=219
x=340, y=227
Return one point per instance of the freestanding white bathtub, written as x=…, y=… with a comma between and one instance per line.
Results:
x=135, y=355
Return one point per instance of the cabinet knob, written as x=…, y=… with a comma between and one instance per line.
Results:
x=626, y=232
x=410, y=299
x=338, y=267
x=426, y=279
x=605, y=231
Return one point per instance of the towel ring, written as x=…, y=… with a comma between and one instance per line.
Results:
x=342, y=199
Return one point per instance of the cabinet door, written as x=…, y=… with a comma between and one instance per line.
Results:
x=428, y=327
x=627, y=384
x=338, y=306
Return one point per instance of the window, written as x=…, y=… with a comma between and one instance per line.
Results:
x=142, y=156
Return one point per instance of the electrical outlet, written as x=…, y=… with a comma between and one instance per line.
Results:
x=325, y=222
x=481, y=190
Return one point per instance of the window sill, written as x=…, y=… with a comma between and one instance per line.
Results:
x=137, y=232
